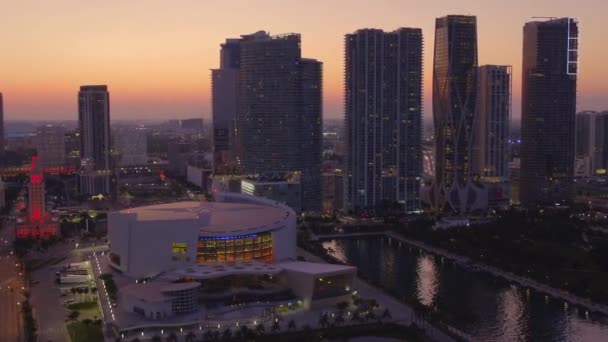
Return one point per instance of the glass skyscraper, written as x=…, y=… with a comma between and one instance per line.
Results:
x=383, y=114
x=549, y=73
x=279, y=115
x=454, y=109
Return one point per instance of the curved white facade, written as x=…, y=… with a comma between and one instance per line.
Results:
x=149, y=240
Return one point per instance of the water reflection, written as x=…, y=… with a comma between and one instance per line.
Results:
x=488, y=308
x=512, y=314
x=427, y=280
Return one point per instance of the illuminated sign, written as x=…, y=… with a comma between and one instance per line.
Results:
x=179, y=248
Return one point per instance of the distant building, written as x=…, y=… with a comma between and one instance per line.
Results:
x=279, y=115
x=178, y=154
x=2, y=194
x=2, y=137
x=131, y=145
x=549, y=74
x=94, y=123
x=491, y=132
x=288, y=192
x=454, y=102
x=591, y=143
x=50, y=145
x=333, y=192
x=224, y=94
x=383, y=101
x=193, y=125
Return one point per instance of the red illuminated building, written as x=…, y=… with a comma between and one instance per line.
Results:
x=38, y=223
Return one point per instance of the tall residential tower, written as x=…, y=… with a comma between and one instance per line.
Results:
x=454, y=109
x=279, y=114
x=383, y=114
x=549, y=73
x=224, y=94
x=94, y=124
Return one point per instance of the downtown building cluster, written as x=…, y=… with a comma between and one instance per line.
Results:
x=267, y=123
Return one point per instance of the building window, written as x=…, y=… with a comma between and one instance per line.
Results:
x=179, y=248
x=235, y=248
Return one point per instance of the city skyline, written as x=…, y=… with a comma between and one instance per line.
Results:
x=158, y=61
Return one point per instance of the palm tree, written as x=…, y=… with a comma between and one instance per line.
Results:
x=73, y=315
x=339, y=319
x=276, y=327
x=386, y=314
x=244, y=331
x=190, y=337
x=291, y=325
x=371, y=315
x=324, y=320
x=227, y=335
x=80, y=291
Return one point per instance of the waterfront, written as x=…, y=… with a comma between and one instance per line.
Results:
x=484, y=306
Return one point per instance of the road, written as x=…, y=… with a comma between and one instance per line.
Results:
x=11, y=283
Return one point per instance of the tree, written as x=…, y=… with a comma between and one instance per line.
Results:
x=190, y=337
x=260, y=329
x=73, y=315
x=276, y=327
x=342, y=306
x=291, y=325
x=227, y=334
x=339, y=319
x=387, y=314
x=324, y=320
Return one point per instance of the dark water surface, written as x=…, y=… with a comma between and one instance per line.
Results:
x=486, y=307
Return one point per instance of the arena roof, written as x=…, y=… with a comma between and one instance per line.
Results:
x=216, y=218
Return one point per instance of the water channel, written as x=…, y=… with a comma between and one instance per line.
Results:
x=481, y=305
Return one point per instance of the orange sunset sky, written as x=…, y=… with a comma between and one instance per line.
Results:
x=155, y=55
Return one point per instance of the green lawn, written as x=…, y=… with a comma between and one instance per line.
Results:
x=83, y=306
x=85, y=332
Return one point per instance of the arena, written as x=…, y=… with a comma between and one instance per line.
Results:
x=233, y=250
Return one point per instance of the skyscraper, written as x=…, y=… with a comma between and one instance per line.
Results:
x=94, y=123
x=491, y=132
x=224, y=94
x=1, y=126
x=454, y=101
x=549, y=73
x=383, y=114
x=592, y=141
x=279, y=113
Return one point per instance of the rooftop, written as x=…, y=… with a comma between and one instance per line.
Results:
x=154, y=291
x=217, y=270
x=216, y=217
